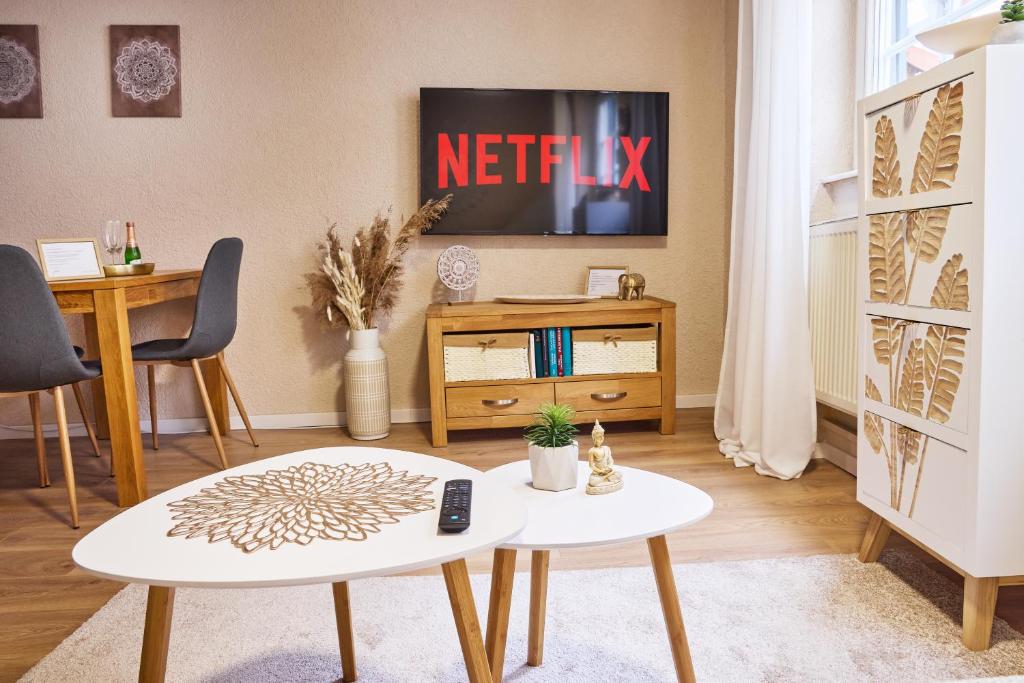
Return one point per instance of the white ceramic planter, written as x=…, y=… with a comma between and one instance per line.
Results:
x=367, y=397
x=1009, y=33
x=554, y=469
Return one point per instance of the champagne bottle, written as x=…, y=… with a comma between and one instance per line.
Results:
x=131, y=247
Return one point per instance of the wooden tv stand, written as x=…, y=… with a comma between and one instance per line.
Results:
x=464, y=405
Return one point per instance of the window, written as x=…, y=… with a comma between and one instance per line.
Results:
x=892, y=52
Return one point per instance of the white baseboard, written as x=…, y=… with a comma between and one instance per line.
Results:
x=186, y=425
x=840, y=459
x=695, y=401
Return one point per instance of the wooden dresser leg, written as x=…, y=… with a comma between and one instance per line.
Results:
x=435, y=365
x=662, y=564
x=538, y=606
x=502, y=573
x=875, y=537
x=979, y=610
x=157, y=636
x=346, y=641
x=667, y=365
x=460, y=594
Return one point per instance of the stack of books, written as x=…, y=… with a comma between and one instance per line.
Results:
x=551, y=352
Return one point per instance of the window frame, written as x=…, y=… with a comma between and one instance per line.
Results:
x=876, y=20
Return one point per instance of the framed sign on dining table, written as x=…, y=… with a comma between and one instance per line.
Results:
x=69, y=259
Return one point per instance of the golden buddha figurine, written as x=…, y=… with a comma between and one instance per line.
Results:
x=603, y=478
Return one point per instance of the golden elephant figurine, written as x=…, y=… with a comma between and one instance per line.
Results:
x=631, y=286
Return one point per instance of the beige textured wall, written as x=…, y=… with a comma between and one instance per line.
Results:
x=833, y=86
x=302, y=113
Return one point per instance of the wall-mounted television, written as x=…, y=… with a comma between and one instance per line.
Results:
x=546, y=162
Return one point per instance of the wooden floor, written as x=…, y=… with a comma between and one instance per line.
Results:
x=43, y=597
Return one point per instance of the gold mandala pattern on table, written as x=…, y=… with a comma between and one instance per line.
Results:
x=301, y=504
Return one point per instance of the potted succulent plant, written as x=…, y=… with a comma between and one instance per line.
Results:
x=1011, y=28
x=554, y=453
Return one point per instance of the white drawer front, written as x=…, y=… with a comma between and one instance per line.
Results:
x=925, y=144
x=925, y=480
x=919, y=369
x=922, y=258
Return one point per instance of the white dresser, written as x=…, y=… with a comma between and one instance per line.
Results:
x=940, y=455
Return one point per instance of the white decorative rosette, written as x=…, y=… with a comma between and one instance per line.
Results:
x=17, y=71
x=146, y=70
x=458, y=268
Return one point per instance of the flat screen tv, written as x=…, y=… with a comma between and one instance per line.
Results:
x=546, y=162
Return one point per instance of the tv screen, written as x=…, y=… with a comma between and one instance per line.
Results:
x=539, y=162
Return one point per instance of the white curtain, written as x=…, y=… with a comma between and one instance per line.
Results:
x=765, y=410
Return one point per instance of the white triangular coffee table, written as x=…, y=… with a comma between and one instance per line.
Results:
x=328, y=515
x=648, y=507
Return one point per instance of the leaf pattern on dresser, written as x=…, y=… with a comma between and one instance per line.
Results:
x=885, y=169
x=910, y=394
x=944, y=363
x=925, y=230
x=874, y=428
x=886, y=259
x=899, y=241
x=939, y=155
x=923, y=380
x=951, y=291
x=922, y=372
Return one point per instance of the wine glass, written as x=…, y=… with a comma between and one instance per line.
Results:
x=113, y=240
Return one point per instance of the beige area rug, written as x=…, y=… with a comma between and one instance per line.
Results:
x=825, y=618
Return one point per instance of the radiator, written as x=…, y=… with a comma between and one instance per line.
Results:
x=833, y=312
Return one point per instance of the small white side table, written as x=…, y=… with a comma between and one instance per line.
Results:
x=135, y=546
x=648, y=507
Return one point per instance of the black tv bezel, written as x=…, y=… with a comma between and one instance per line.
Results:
x=419, y=159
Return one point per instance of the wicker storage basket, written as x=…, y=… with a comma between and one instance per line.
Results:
x=470, y=357
x=607, y=350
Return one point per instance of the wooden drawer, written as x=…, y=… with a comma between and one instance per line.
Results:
x=923, y=479
x=500, y=399
x=922, y=258
x=928, y=143
x=919, y=368
x=610, y=394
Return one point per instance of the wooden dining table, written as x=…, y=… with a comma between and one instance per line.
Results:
x=104, y=303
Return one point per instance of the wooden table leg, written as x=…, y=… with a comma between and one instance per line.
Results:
x=979, y=609
x=502, y=572
x=99, y=401
x=875, y=537
x=119, y=387
x=217, y=388
x=662, y=564
x=460, y=594
x=157, y=636
x=346, y=641
x=538, y=606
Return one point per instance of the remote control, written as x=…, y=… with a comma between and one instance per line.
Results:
x=455, y=506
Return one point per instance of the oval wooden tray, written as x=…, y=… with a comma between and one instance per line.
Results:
x=122, y=269
x=546, y=298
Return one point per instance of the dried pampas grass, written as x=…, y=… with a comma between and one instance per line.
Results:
x=354, y=286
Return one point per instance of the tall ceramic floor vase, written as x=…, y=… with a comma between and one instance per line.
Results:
x=367, y=398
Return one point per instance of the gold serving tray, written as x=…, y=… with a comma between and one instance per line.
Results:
x=122, y=269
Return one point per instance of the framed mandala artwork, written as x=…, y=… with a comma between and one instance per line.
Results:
x=21, y=94
x=145, y=71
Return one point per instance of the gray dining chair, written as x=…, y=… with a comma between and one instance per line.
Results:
x=36, y=355
x=213, y=328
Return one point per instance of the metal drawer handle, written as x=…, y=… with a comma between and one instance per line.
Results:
x=614, y=396
x=499, y=402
